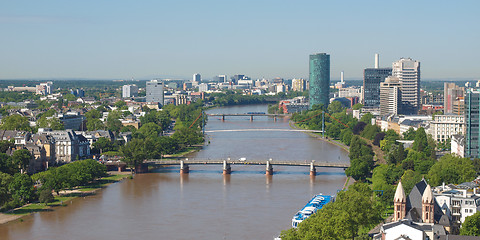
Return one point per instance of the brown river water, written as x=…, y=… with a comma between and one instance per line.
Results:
x=203, y=204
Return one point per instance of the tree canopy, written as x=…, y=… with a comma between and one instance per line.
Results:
x=451, y=169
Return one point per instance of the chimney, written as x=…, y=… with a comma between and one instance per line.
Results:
x=341, y=77
x=377, y=61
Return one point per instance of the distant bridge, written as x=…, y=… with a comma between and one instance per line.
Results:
x=251, y=115
x=262, y=130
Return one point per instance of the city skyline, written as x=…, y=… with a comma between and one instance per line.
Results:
x=97, y=40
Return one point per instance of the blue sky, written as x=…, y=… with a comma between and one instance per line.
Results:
x=143, y=39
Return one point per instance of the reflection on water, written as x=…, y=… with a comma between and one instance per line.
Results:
x=203, y=204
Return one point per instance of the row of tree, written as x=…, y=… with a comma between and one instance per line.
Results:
x=19, y=189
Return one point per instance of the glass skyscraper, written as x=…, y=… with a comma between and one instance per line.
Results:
x=319, y=79
x=472, y=120
x=372, y=77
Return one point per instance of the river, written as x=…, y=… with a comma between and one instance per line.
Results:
x=203, y=204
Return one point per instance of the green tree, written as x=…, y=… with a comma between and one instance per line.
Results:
x=335, y=107
x=104, y=145
x=46, y=196
x=367, y=118
x=357, y=106
x=135, y=152
x=21, y=158
x=471, y=226
x=53, y=123
x=353, y=211
x=420, y=142
x=451, y=169
x=409, y=134
x=6, y=164
x=113, y=122
x=94, y=124
x=15, y=122
x=21, y=188
x=5, y=180
x=409, y=179
x=150, y=130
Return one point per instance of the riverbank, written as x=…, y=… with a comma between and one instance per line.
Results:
x=61, y=198
x=326, y=139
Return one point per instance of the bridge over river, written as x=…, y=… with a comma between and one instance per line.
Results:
x=184, y=164
x=251, y=115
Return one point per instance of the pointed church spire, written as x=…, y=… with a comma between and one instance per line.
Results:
x=399, y=194
x=427, y=195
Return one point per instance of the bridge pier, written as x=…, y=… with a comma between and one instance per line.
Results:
x=269, y=169
x=226, y=168
x=251, y=118
x=275, y=118
x=184, y=169
x=223, y=117
x=313, y=171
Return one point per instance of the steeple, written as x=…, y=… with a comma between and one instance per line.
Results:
x=399, y=194
x=400, y=203
x=427, y=205
x=427, y=196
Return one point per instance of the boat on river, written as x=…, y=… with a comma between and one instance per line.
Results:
x=315, y=204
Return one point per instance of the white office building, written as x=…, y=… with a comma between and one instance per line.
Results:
x=444, y=127
x=390, y=96
x=197, y=78
x=129, y=91
x=408, y=73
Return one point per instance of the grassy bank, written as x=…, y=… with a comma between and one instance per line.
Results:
x=62, y=198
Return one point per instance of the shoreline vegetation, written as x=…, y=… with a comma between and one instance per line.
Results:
x=62, y=198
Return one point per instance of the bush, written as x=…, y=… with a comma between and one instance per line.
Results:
x=46, y=196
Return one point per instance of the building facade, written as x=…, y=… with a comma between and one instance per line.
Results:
x=129, y=91
x=154, y=91
x=444, y=127
x=299, y=84
x=390, y=96
x=197, y=78
x=319, y=81
x=372, y=77
x=451, y=93
x=408, y=72
x=472, y=129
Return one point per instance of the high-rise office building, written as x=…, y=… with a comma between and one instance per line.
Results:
x=299, y=84
x=129, y=91
x=372, y=77
x=197, y=78
x=319, y=80
x=472, y=120
x=451, y=93
x=154, y=91
x=408, y=72
x=390, y=96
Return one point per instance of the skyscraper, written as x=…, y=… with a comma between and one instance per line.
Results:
x=451, y=93
x=472, y=119
x=390, y=96
x=372, y=77
x=154, y=91
x=408, y=72
x=319, y=80
x=197, y=78
x=129, y=91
